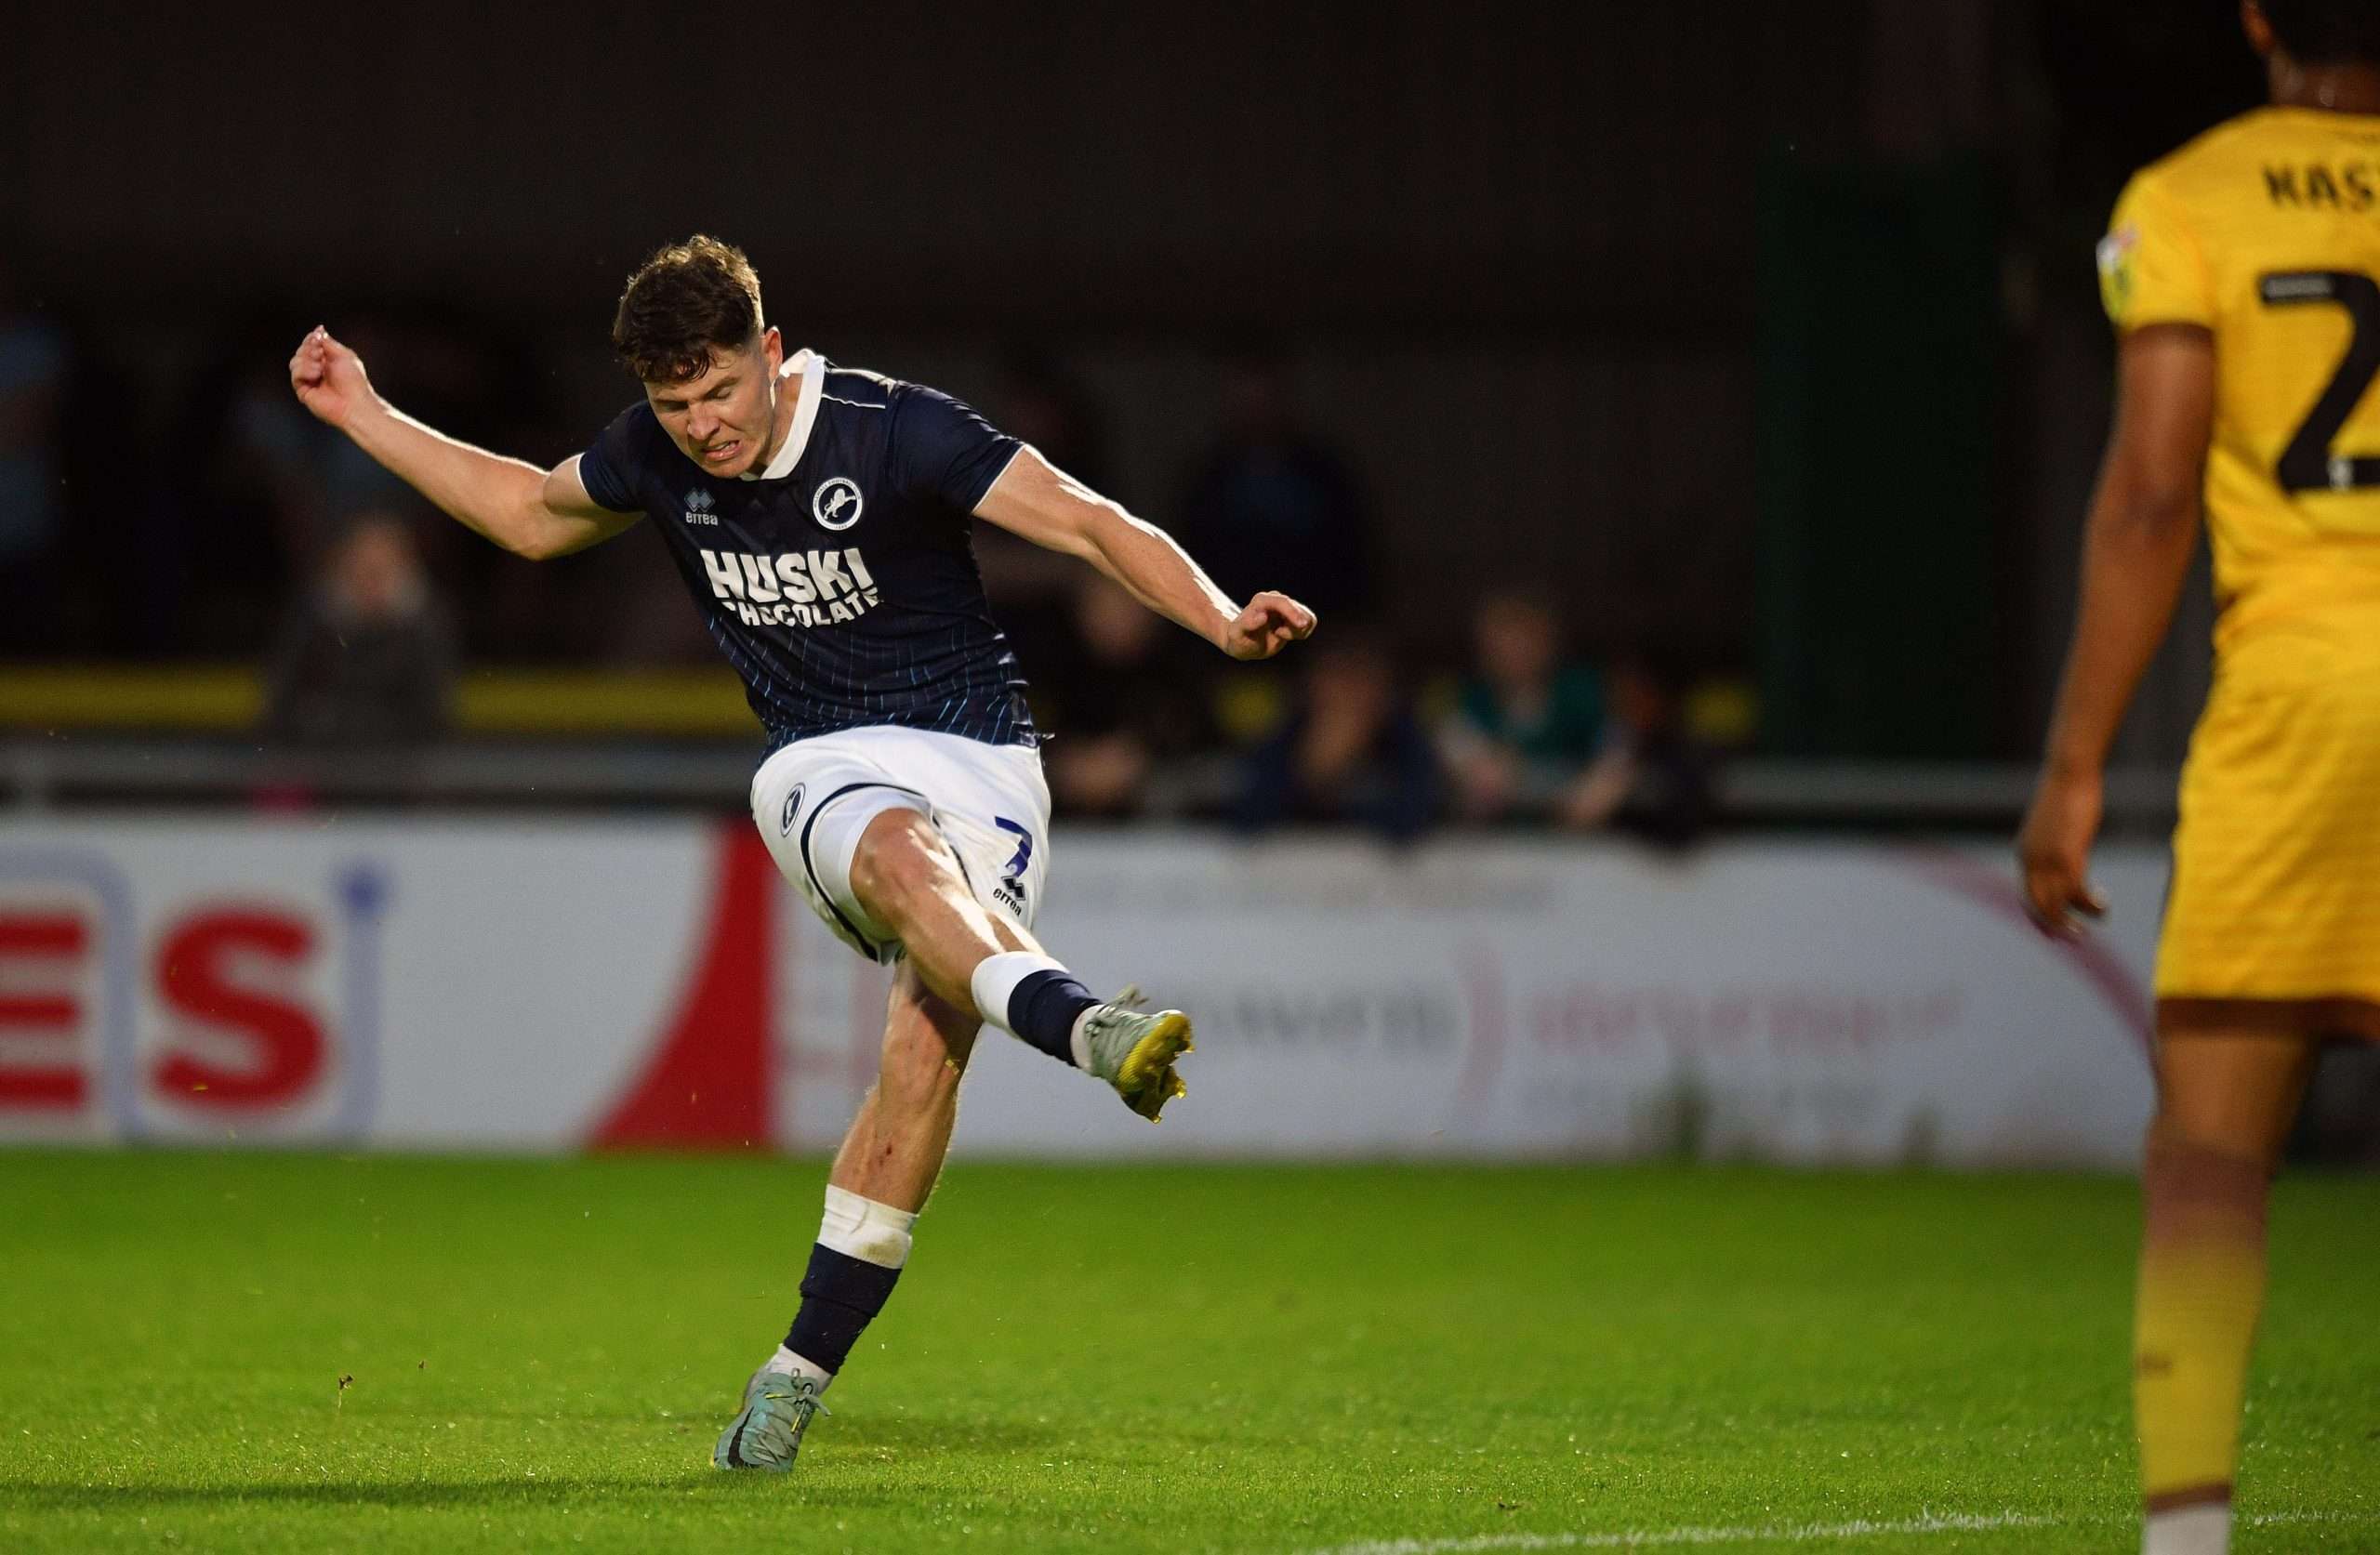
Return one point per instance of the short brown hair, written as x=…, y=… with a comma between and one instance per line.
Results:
x=685, y=299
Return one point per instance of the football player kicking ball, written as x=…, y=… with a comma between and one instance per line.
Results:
x=2243, y=274
x=819, y=516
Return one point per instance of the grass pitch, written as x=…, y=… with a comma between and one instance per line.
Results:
x=1273, y=1360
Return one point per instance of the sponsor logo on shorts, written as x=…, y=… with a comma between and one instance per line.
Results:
x=792, y=808
x=1009, y=892
x=836, y=503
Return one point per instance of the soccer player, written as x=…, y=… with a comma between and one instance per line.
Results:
x=819, y=516
x=2242, y=273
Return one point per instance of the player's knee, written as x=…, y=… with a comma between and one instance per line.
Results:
x=2185, y=1172
x=900, y=859
x=2188, y=1130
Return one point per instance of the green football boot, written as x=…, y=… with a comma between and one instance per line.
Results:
x=777, y=1406
x=1134, y=1053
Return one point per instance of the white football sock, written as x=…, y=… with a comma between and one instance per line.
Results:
x=2187, y=1531
x=995, y=980
x=1081, y=1049
x=864, y=1229
x=786, y=1360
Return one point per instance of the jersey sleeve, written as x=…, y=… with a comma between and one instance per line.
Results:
x=2150, y=268
x=942, y=448
x=613, y=463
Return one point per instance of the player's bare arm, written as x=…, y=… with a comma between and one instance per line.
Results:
x=1037, y=501
x=532, y=512
x=2143, y=526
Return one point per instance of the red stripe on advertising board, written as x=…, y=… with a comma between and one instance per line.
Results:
x=711, y=1083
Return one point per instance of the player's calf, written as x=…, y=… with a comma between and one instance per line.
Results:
x=2200, y=1286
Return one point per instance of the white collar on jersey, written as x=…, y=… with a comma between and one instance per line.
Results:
x=805, y=413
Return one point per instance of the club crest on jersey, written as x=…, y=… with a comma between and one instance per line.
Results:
x=699, y=508
x=2116, y=255
x=836, y=503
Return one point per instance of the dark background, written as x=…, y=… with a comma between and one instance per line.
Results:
x=1764, y=332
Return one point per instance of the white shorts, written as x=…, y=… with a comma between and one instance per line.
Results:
x=814, y=799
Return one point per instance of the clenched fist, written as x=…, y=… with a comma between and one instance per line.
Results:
x=1270, y=623
x=330, y=380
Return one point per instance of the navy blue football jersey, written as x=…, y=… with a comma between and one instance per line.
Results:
x=841, y=581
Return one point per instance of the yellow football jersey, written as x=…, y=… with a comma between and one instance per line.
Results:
x=2267, y=231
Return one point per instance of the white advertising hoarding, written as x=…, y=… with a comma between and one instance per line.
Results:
x=496, y=985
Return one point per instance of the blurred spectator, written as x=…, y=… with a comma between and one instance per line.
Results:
x=305, y=483
x=1126, y=696
x=1031, y=589
x=1536, y=735
x=1271, y=508
x=1038, y=398
x=1352, y=752
x=367, y=657
x=313, y=477
x=1671, y=790
x=33, y=368
x=1529, y=735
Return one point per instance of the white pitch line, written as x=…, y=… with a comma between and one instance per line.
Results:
x=1807, y=1533
x=1648, y=1538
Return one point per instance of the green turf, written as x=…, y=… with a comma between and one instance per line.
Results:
x=1270, y=1360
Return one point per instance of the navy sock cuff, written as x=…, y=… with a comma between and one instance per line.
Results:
x=841, y=1296
x=1043, y=1011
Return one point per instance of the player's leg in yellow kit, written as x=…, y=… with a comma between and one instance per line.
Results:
x=2225, y=1100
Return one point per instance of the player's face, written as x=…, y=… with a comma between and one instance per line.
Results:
x=722, y=418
